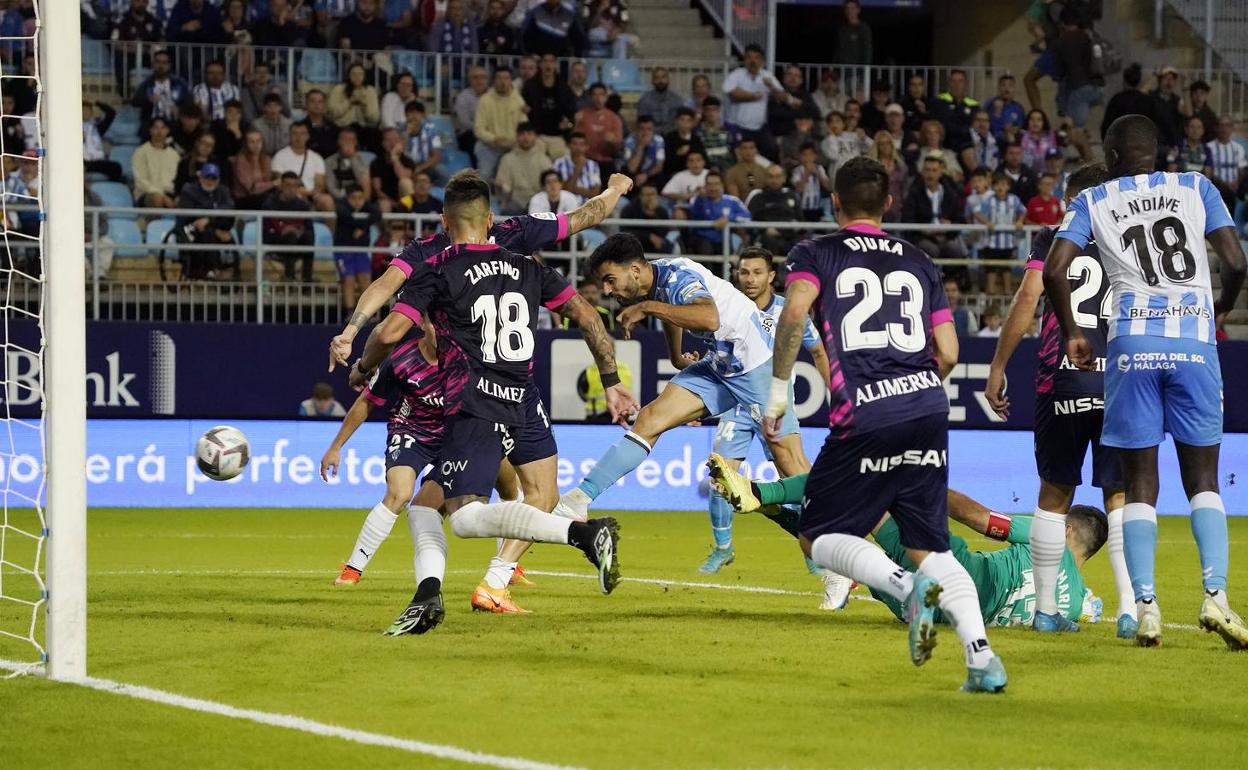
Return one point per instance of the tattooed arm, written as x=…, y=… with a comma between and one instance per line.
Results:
x=599, y=207
x=798, y=298
x=620, y=402
x=376, y=295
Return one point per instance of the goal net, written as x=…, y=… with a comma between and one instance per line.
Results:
x=42, y=443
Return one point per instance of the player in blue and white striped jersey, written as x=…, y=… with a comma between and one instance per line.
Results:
x=1229, y=160
x=1162, y=370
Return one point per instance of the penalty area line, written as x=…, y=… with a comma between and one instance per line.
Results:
x=299, y=724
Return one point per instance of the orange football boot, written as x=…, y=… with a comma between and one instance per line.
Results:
x=486, y=599
x=348, y=577
x=520, y=579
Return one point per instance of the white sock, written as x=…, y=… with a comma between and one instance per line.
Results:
x=1048, y=542
x=518, y=521
x=376, y=529
x=430, y=542
x=499, y=574
x=856, y=558
x=1118, y=563
x=960, y=603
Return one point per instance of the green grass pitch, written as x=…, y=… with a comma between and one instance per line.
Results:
x=237, y=606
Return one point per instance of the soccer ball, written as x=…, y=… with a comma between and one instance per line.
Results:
x=222, y=453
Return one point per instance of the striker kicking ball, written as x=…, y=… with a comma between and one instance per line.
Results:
x=222, y=453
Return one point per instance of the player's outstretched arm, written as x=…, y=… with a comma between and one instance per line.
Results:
x=799, y=297
x=1057, y=286
x=381, y=341
x=1017, y=322
x=356, y=416
x=978, y=517
x=593, y=211
x=372, y=300
x=1232, y=269
x=699, y=315
x=620, y=401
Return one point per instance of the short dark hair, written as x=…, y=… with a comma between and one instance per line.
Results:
x=1199, y=85
x=1133, y=136
x=713, y=173
x=502, y=68
x=273, y=99
x=862, y=187
x=236, y=104
x=1091, y=527
x=619, y=249
x=804, y=146
x=957, y=71
x=526, y=126
x=354, y=188
x=755, y=48
x=999, y=176
x=1005, y=77
x=577, y=135
x=645, y=119
x=314, y=91
x=1084, y=177
x=1049, y=176
x=414, y=105
x=190, y=110
x=756, y=252
x=983, y=171
x=687, y=112
x=711, y=101
x=601, y=85
x=1132, y=75
x=464, y=191
x=290, y=175
x=322, y=390
x=548, y=172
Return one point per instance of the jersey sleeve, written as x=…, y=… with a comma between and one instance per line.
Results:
x=1076, y=226
x=802, y=267
x=1039, y=249
x=810, y=337
x=1216, y=214
x=384, y=386
x=420, y=289
x=531, y=232
x=685, y=286
x=937, y=301
x=556, y=291
x=1020, y=530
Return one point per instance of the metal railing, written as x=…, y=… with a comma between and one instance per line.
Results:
x=743, y=23
x=1223, y=25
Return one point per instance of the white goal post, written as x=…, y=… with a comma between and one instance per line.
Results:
x=64, y=327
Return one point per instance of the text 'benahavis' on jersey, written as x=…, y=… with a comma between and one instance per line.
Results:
x=482, y=300
x=745, y=335
x=1089, y=301
x=523, y=234
x=879, y=299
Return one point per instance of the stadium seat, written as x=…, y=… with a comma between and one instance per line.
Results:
x=455, y=159
x=95, y=60
x=157, y=229
x=114, y=195
x=317, y=66
x=250, y=233
x=367, y=157
x=408, y=61
x=297, y=115
x=323, y=236
x=438, y=192
x=442, y=124
x=125, y=233
x=124, y=155
x=622, y=75
x=591, y=239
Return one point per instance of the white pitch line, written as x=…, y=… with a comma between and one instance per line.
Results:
x=301, y=724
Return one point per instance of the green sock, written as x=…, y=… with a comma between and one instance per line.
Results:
x=780, y=492
x=787, y=519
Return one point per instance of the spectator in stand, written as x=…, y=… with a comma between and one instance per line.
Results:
x=160, y=94
x=715, y=138
x=1055, y=164
x=464, y=113
x=389, y=168
x=932, y=142
x=23, y=88
x=685, y=185
x=422, y=201
x=355, y=216
x=189, y=126
x=12, y=133
x=748, y=88
x=194, y=21
x=1167, y=107
x=992, y=322
x=322, y=403
x=554, y=28
x=678, y=143
x=307, y=164
x=1006, y=114
x=964, y=321
x=203, y=152
x=955, y=109
x=1078, y=89
x=520, y=171
x=803, y=133
x=272, y=125
x=933, y=199
x=603, y=129
x=1229, y=161
x=905, y=141
x=205, y=191
x=1036, y=141
x=838, y=145
x=235, y=26
x=285, y=26
x=700, y=91
x=647, y=205
x=228, y=132
x=329, y=15
x=22, y=186
x=1198, y=106
x=829, y=98
x=455, y=32
x=873, y=110
x=495, y=37
x=154, y=167
x=982, y=149
x=364, y=30
x=394, y=104
x=606, y=24
x=853, y=121
x=784, y=108
x=660, y=102
x=578, y=83
x=854, y=44
x=400, y=19
x=1003, y=214
x=252, y=171
x=390, y=243
x=322, y=131
x=885, y=151
x=774, y=202
x=552, y=198
x=259, y=85
x=644, y=152
x=981, y=191
x=346, y=168
x=288, y=197
x=811, y=182
x=915, y=103
x=1045, y=208
x=94, y=158
x=500, y=111
x=551, y=105
x=747, y=173
x=212, y=94
x=423, y=144
x=137, y=25
x=354, y=103
x=526, y=70
x=580, y=174
x=1022, y=178
x=1133, y=99
x=717, y=207
x=1192, y=155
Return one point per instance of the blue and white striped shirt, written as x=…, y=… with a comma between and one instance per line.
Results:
x=652, y=156
x=1227, y=159
x=1002, y=214
x=423, y=143
x=212, y=100
x=591, y=175
x=336, y=9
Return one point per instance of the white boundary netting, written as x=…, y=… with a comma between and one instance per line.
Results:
x=23, y=528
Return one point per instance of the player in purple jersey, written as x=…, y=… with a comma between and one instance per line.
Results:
x=1070, y=411
x=881, y=309
x=483, y=300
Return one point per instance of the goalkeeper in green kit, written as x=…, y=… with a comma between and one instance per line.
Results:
x=1003, y=579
